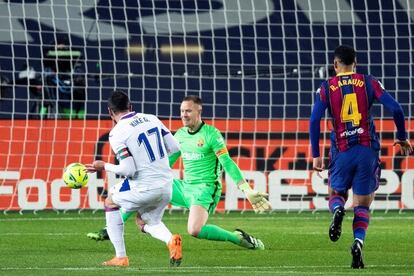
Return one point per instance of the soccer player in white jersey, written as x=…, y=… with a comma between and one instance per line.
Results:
x=142, y=144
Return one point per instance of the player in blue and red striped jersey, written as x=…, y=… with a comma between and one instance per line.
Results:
x=354, y=154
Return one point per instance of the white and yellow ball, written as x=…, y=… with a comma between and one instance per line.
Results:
x=75, y=176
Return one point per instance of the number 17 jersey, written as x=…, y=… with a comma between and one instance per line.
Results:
x=142, y=136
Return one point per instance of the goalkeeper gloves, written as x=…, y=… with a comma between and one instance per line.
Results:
x=257, y=199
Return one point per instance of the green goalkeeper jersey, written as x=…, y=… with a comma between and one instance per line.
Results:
x=204, y=154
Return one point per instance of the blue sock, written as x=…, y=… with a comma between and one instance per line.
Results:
x=361, y=222
x=335, y=201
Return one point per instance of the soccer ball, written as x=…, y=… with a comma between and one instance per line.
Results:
x=75, y=176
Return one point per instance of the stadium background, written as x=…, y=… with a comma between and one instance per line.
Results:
x=256, y=65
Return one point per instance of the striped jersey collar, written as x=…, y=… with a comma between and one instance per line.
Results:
x=128, y=115
x=344, y=73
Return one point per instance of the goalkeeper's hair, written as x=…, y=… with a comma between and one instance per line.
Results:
x=119, y=101
x=346, y=54
x=194, y=99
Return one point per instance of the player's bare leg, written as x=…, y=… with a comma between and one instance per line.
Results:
x=197, y=218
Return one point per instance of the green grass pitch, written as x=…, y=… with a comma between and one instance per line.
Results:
x=50, y=243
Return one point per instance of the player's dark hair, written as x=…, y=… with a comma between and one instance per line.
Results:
x=119, y=101
x=194, y=99
x=346, y=54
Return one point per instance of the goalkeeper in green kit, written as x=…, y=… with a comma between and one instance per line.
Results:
x=204, y=154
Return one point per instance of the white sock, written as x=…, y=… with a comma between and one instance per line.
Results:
x=361, y=241
x=159, y=231
x=115, y=228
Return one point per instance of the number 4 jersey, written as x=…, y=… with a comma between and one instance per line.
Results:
x=144, y=138
x=349, y=98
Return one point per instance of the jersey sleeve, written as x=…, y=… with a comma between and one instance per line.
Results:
x=170, y=143
x=377, y=88
x=126, y=166
x=118, y=145
x=321, y=93
x=397, y=113
x=219, y=147
x=174, y=156
x=318, y=112
x=381, y=95
x=217, y=142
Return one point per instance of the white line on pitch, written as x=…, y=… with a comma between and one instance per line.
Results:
x=295, y=218
x=238, y=269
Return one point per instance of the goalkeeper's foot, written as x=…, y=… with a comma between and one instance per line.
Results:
x=117, y=261
x=248, y=241
x=175, y=248
x=101, y=235
x=335, y=228
x=356, y=251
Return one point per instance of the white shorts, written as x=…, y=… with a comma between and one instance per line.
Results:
x=150, y=204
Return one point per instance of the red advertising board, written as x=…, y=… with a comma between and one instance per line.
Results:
x=34, y=153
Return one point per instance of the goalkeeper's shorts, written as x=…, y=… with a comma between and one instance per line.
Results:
x=206, y=195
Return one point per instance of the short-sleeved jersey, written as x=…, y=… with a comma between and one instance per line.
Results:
x=141, y=136
x=199, y=151
x=349, y=98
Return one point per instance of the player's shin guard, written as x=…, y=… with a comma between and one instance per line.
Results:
x=336, y=201
x=115, y=228
x=360, y=223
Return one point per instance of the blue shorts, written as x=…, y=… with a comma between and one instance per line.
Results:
x=357, y=168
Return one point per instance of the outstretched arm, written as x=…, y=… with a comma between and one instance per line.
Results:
x=257, y=199
x=397, y=113
x=126, y=167
x=399, y=120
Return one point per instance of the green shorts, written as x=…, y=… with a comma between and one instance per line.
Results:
x=206, y=195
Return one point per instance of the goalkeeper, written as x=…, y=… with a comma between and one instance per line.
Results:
x=204, y=154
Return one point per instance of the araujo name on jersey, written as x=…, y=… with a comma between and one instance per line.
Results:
x=355, y=82
x=138, y=120
x=347, y=133
x=192, y=156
